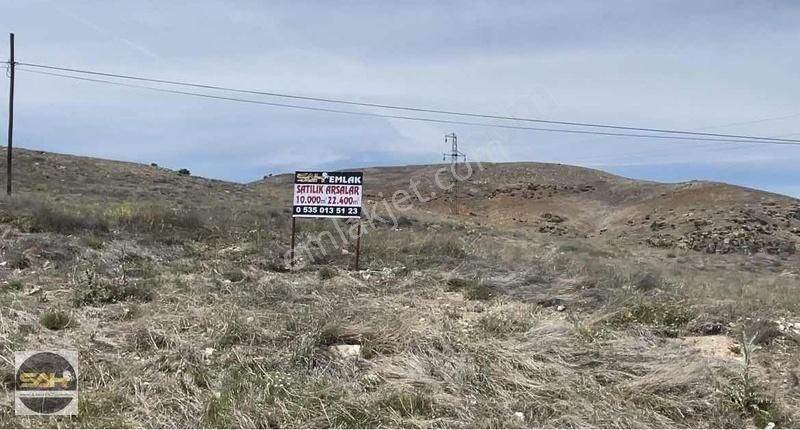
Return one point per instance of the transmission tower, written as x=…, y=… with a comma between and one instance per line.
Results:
x=454, y=155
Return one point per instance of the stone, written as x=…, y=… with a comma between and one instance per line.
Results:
x=345, y=351
x=712, y=328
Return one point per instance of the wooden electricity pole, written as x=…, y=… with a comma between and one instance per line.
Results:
x=10, y=147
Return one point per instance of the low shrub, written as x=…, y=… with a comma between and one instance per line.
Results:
x=55, y=319
x=472, y=289
x=667, y=315
x=19, y=260
x=442, y=247
x=480, y=291
x=457, y=284
x=151, y=218
x=146, y=339
x=58, y=220
x=15, y=285
x=326, y=273
x=94, y=290
x=234, y=275
x=762, y=331
x=42, y=216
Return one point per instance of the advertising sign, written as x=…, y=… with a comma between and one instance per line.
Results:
x=327, y=194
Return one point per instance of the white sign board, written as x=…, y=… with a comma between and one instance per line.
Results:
x=327, y=194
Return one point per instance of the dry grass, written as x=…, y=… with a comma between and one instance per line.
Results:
x=185, y=317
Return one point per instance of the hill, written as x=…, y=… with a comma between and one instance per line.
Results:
x=557, y=296
x=584, y=203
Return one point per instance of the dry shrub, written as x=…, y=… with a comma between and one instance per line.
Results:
x=236, y=331
x=556, y=379
x=762, y=331
x=19, y=259
x=147, y=339
x=505, y=318
x=39, y=215
x=93, y=289
x=326, y=273
x=153, y=218
x=51, y=219
x=56, y=319
x=472, y=289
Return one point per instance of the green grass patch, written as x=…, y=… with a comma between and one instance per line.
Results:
x=55, y=319
x=667, y=317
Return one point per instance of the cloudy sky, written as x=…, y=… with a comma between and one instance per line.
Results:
x=718, y=66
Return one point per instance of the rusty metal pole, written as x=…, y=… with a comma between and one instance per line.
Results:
x=291, y=254
x=358, y=244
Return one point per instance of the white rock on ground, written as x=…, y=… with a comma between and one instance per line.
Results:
x=207, y=353
x=345, y=351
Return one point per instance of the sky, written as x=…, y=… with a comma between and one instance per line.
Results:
x=716, y=66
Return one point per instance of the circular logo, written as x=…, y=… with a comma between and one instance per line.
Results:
x=46, y=383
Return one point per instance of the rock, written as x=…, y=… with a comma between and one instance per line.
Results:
x=549, y=303
x=519, y=416
x=561, y=308
x=207, y=353
x=556, y=219
x=712, y=328
x=345, y=351
x=371, y=380
x=104, y=342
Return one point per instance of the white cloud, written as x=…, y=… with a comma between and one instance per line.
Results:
x=662, y=64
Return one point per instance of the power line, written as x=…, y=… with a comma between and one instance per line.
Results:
x=412, y=118
x=405, y=108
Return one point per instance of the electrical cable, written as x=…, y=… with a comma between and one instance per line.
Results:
x=405, y=108
x=421, y=119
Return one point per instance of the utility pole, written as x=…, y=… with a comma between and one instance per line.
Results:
x=454, y=154
x=10, y=146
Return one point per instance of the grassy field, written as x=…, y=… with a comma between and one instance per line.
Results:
x=184, y=315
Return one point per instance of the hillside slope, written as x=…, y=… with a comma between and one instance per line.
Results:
x=547, y=302
x=94, y=179
x=579, y=202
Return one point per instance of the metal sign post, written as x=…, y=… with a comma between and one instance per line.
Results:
x=327, y=195
x=358, y=243
x=291, y=255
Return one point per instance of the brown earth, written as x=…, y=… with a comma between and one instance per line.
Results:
x=578, y=202
x=558, y=296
